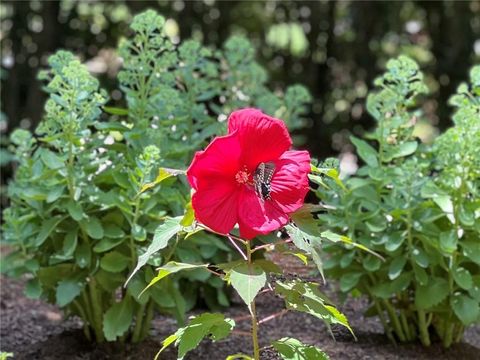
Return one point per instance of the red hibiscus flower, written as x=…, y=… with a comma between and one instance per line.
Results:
x=249, y=177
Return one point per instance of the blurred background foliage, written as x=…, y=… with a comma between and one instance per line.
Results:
x=334, y=48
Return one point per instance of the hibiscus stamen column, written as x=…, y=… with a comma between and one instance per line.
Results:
x=253, y=312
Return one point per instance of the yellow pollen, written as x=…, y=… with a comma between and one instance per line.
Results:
x=242, y=177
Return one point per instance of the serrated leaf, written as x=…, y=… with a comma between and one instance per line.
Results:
x=163, y=234
x=292, y=349
x=171, y=268
x=248, y=280
x=117, y=319
x=427, y=296
x=208, y=324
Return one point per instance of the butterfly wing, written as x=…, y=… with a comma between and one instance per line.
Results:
x=262, y=178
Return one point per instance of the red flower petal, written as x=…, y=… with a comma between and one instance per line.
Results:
x=220, y=160
x=256, y=217
x=289, y=184
x=262, y=138
x=215, y=204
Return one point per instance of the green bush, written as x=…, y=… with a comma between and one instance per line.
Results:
x=83, y=211
x=419, y=207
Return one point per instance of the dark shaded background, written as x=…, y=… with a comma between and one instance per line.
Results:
x=335, y=49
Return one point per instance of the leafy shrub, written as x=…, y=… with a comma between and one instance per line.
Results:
x=83, y=210
x=417, y=206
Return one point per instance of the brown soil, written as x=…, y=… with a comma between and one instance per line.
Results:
x=32, y=329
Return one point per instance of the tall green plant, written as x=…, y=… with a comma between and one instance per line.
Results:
x=418, y=207
x=81, y=217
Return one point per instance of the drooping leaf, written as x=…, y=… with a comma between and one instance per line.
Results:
x=160, y=240
x=187, y=338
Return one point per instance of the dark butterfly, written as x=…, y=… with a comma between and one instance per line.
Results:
x=261, y=179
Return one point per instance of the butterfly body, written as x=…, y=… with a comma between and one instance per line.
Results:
x=262, y=178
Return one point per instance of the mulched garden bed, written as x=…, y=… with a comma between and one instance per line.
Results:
x=32, y=329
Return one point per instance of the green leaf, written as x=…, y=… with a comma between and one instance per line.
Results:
x=163, y=234
x=52, y=160
x=47, y=227
x=208, y=324
x=466, y=309
x=472, y=251
x=248, y=280
x=396, y=267
x=292, y=349
x=365, y=151
x=189, y=216
x=305, y=297
x=420, y=257
x=349, y=281
x=33, y=289
x=163, y=174
x=115, y=110
x=114, y=262
x=427, y=296
x=70, y=242
x=402, y=150
x=346, y=240
x=448, y=241
x=94, y=228
x=75, y=210
x=463, y=278
x=117, y=319
x=171, y=268
x=67, y=290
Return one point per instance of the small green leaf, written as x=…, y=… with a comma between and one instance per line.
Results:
x=292, y=349
x=349, y=281
x=67, y=290
x=52, y=160
x=466, y=309
x=365, y=151
x=189, y=216
x=471, y=250
x=47, y=227
x=33, y=289
x=163, y=174
x=117, y=319
x=94, y=228
x=420, y=257
x=115, y=110
x=463, y=278
x=75, y=210
x=448, y=241
x=114, y=262
x=248, y=280
x=396, y=267
x=70, y=242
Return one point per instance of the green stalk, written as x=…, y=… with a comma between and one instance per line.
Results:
x=394, y=320
x=256, y=348
x=147, y=320
x=404, y=323
x=97, y=310
x=423, y=328
x=448, y=336
x=386, y=326
x=138, y=323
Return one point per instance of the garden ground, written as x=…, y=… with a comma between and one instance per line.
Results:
x=32, y=329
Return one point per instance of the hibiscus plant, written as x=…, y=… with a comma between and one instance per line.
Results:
x=247, y=185
x=80, y=218
x=416, y=205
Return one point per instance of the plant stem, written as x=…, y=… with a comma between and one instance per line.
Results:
x=83, y=316
x=147, y=320
x=97, y=310
x=423, y=328
x=394, y=320
x=246, y=257
x=256, y=348
x=138, y=323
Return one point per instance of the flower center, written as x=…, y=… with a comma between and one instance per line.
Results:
x=242, y=176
